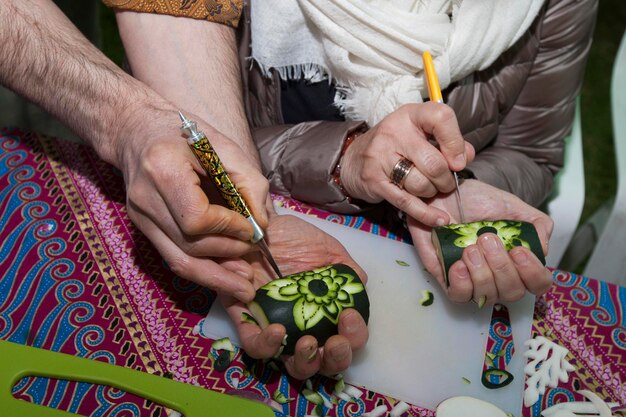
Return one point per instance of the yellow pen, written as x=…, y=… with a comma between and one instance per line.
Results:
x=211, y=163
x=434, y=91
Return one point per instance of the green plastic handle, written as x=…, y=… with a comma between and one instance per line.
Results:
x=19, y=361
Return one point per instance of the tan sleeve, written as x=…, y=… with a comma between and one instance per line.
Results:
x=227, y=12
x=299, y=161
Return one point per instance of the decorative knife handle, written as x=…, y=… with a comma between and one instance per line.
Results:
x=212, y=164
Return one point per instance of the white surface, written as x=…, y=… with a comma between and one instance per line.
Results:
x=565, y=204
x=607, y=262
x=416, y=354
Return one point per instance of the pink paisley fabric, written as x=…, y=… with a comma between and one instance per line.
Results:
x=77, y=277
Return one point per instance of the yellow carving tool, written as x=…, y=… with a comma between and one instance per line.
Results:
x=434, y=91
x=210, y=161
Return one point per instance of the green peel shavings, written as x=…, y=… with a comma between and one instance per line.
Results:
x=247, y=318
x=402, y=263
x=427, y=298
x=481, y=301
x=504, y=378
x=312, y=396
x=280, y=398
x=223, y=344
x=340, y=385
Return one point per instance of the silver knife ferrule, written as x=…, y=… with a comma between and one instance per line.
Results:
x=257, y=231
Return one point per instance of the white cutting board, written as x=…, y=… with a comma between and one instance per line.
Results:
x=416, y=354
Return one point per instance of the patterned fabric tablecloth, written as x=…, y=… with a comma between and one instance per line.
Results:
x=78, y=278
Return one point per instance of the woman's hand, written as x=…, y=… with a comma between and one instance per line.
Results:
x=168, y=199
x=299, y=246
x=370, y=159
x=486, y=268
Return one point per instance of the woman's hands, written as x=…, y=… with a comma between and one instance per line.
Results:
x=168, y=199
x=299, y=246
x=369, y=160
x=486, y=268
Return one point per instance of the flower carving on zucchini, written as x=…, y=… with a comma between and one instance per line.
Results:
x=317, y=294
x=508, y=231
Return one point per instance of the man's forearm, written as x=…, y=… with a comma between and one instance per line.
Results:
x=44, y=58
x=192, y=63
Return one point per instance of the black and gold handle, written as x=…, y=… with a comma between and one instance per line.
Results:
x=211, y=163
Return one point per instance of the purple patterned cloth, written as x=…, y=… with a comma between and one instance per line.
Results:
x=77, y=277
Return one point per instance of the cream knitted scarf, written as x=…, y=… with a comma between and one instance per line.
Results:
x=372, y=49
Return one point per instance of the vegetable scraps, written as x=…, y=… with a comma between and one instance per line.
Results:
x=502, y=376
x=595, y=406
x=468, y=406
x=225, y=353
x=427, y=298
x=547, y=366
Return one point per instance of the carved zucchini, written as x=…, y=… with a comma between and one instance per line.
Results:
x=310, y=302
x=450, y=240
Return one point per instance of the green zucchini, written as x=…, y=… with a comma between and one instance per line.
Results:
x=310, y=302
x=450, y=240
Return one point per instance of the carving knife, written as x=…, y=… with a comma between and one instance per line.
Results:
x=210, y=161
x=434, y=92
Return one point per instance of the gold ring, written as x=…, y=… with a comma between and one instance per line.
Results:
x=400, y=171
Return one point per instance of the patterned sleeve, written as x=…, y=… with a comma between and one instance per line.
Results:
x=227, y=12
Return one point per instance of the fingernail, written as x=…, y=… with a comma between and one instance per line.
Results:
x=351, y=321
x=473, y=253
x=312, y=353
x=459, y=159
x=276, y=338
x=440, y=221
x=243, y=235
x=520, y=257
x=491, y=244
x=340, y=352
x=462, y=271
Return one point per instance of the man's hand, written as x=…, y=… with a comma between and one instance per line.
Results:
x=405, y=133
x=168, y=196
x=486, y=269
x=299, y=246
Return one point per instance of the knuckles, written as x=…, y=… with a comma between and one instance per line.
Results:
x=190, y=220
x=440, y=113
x=434, y=165
x=153, y=158
x=513, y=295
x=179, y=264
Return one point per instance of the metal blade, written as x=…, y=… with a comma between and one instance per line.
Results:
x=458, y=198
x=268, y=255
